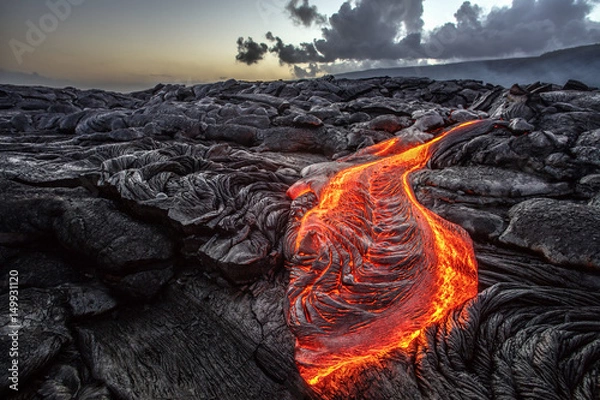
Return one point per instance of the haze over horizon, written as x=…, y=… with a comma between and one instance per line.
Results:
x=134, y=44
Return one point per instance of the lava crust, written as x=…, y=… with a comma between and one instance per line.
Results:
x=370, y=266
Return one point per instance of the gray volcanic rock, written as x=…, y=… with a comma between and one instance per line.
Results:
x=207, y=342
x=519, y=125
x=564, y=232
x=109, y=242
x=587, y=148
x=115, y=242
x=87, y=301
x=428, y=120
x=389, y=123
x=307, y=120
x=40, y=332
x=146, y=229
x=484, y=184
x=479, y=223
x=228, y=205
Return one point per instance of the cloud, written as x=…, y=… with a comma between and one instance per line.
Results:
x=367, y=30
x=468, y=15
x=376, y=30
x=526, y=27
x=370, y=30
x=290, y=54
x=309, y=72
x=249, y=51
x=304, y=14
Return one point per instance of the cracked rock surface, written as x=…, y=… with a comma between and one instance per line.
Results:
x=146, y=229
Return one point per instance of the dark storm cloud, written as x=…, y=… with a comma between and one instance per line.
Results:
x=528, y=26
x=393, y=30
x=370, y=30
x=303, y=13
x=249, y=51
x=367, y=30
x=290, y=54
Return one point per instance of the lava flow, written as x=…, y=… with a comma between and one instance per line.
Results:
x=370, y=266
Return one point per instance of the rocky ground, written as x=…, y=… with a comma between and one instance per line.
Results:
x=146, y=230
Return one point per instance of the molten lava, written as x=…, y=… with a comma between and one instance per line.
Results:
x=370, y=266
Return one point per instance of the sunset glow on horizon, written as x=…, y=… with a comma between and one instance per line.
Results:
x=135, y=44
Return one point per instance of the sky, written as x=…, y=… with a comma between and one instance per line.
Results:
x=134, y=44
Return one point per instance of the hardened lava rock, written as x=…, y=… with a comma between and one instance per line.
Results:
x=148, y=233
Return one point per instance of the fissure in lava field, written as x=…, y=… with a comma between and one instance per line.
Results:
x=370, y=266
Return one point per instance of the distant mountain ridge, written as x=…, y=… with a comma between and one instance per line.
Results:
x=580, y=63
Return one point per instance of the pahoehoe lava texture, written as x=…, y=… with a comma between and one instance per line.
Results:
x=148, y=230
x=371, y=267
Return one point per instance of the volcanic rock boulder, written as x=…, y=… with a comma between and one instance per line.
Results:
x=564, y=232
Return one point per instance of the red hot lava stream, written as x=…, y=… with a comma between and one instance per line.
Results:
x=370, y=266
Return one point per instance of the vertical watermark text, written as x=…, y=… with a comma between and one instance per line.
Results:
x=13, y=329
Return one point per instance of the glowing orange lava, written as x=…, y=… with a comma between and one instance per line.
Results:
x=370, y=267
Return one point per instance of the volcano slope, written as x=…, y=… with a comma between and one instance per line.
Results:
x=173, y=243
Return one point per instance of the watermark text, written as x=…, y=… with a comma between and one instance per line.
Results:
x=13, y=329
x=37, y=32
